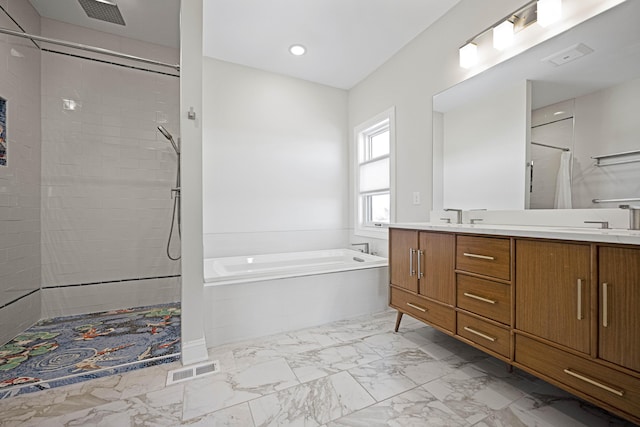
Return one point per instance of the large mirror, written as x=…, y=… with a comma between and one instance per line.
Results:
x=524, y=133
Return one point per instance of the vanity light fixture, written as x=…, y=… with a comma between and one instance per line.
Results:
x=503, y=35
x=549, y=11
x=297, y=50
x=468, y=55
x=545, y=12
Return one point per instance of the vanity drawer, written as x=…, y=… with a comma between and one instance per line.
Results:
x=602, y=383
x=484, y=297
x=487, y=335
x=489, y=256
x=423, y=309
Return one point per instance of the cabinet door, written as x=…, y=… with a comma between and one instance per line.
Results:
x=438, y=259
x=619, y=290
x=552, y=292
x=403, y=245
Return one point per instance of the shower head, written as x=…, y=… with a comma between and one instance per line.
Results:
x=103, y=10
x=167, y=135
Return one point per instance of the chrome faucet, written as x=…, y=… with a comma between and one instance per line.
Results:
x=366, y=247
x=459, y=214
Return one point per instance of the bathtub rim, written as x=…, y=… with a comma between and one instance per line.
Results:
x=379, y=262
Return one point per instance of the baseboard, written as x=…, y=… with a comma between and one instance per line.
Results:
x=194, y=352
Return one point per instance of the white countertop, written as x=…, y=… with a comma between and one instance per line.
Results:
x=583, y=234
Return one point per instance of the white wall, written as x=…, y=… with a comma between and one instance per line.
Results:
x=275, y=162
x=427, y=66
x=106, y=173
x=408, y=81
x=484, y=166
x=194, y=346
x=20, y=178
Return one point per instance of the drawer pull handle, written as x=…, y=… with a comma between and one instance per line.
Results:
x=605, y=304
x=479, y=298
x=480, y=334
x=595, y=383
x=579, y=299
x=417, y=307
x=478, y=256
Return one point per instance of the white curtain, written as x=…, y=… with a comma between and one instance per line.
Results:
x=563, y=182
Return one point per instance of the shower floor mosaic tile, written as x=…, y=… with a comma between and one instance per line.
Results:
x=66, y=350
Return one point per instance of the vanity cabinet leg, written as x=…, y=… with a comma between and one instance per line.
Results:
x=398, y=319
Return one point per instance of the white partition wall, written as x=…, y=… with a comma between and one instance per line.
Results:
x=275, y=162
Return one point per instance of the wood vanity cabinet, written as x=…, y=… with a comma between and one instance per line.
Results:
x=619, y=306
x=553, y=293
x=483, y=289
x=568, y=312
x=422, y=276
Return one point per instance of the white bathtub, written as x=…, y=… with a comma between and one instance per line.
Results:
x=251, y=296
x=241, y=269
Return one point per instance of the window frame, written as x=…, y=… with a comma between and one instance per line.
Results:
x=375, y=125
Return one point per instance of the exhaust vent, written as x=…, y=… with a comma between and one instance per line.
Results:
x=104, y=10
x=191, y=372
x=569, y=54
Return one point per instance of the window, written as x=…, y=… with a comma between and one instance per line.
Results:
x=374, y=146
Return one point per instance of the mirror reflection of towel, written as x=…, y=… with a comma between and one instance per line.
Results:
x=563, y=182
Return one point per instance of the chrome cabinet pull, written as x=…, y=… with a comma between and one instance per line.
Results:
x=412, y=272
x=478, y=256
x=479, y=298
x=480, y=334
x=594, y=382
x=605, y=304
x=579, y=299
x=417, y=307
x=420, y=274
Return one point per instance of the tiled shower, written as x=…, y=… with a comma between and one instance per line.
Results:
x=85, y=196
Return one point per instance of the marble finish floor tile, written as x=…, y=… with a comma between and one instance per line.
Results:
x=226, y=389
x=234, y=416
x=330, y=360
x=311, y=404
x=549, y=406
x=399, y=373
x=389, y=343
x=473, y=394
x=158, y=408
x=414, y=408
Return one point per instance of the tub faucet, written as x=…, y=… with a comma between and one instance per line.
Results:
x=459, y=214
x=366, y=247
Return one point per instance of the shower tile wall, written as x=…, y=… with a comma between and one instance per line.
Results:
x=20, y=179
x=106, y=175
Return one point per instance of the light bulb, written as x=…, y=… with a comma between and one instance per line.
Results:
x=468, y=55
x=503, y=35
x=549, y=11
x=297, y=50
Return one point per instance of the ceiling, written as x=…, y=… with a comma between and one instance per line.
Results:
x=153, y=21
x=345, y=40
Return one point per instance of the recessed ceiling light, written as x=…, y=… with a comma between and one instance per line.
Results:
x=297, y=50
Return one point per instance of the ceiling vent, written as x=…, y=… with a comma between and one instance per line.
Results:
x=569, y=54
x=103, y=10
